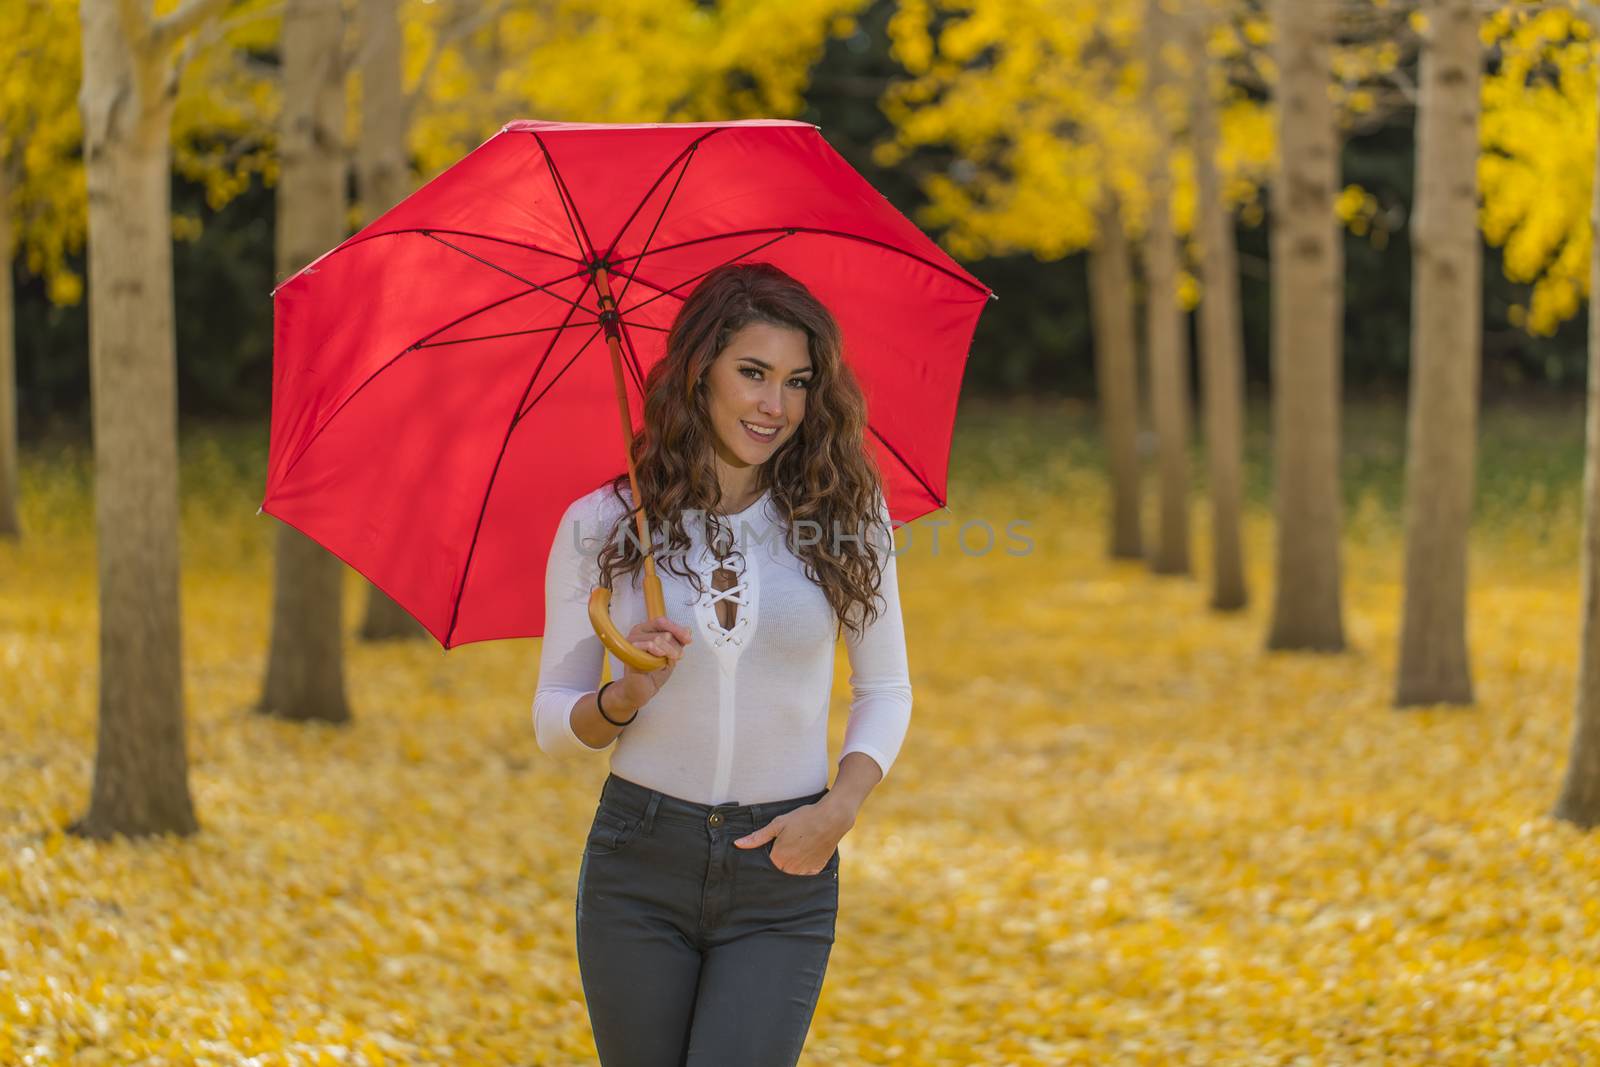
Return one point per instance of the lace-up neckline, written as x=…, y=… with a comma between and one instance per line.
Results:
x=732, y=566
x=733, y=594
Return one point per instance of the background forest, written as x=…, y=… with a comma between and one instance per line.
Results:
x=1279, y=745
x=1037, y=340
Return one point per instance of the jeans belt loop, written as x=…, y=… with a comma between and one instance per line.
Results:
x=650, y=810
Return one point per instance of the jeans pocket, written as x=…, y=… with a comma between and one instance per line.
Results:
x=829, y=870
x=611, y=833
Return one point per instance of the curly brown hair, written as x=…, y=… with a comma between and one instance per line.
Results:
x=823, y=473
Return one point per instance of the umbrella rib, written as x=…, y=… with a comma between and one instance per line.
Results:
x=503, y=241
x=690, y=147
x=823, y=231
x=483, y=507
x=509, y=273
x=551, y=384
x=498, y=336
x=645, y=250
x=634, y=366
x=414, y=346
x=363, y=239
x=646, y=282
x=487, y=307
x=708, y=270
x=895, y=452
x=574, y=220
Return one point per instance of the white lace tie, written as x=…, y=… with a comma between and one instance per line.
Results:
x=734, y=594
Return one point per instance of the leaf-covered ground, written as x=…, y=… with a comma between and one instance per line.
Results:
x=1118, y=833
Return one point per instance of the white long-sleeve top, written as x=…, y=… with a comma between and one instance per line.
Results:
x=744, y=715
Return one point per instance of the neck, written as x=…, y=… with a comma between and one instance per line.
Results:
x=736, y=502
x=739, y=486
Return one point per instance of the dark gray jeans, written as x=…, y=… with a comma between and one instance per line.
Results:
x=695, y=952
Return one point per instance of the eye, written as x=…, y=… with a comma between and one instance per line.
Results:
x=755, y=374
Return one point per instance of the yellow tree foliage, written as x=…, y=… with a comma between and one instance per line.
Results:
x=616, y=61
x=1041, y=102
x=1375, y=39
x=222, y=104
x=1537, y=166
x=225, y=121
x=452, y=68
x=40, y=134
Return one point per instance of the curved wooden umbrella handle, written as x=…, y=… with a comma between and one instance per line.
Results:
x=612, y=638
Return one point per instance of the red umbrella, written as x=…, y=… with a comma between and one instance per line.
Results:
x=438, y=393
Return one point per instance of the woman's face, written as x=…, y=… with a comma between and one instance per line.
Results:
x=758, y=382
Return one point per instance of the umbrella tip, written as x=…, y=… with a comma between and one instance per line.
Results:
x=993, y=295
x=258, y=511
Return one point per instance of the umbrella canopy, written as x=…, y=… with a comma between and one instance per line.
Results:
x=442, y=389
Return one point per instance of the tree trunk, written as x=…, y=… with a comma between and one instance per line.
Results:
x=1579, y=801
x=384, y=173
x=1166, y=331
x=1111, y=305
x=1446, y=331
x=1307, y=307
x=382, y=179
x=10, y=520
x=387, y=621
x=305, y=665
x=141, y=763
x=1221, y=336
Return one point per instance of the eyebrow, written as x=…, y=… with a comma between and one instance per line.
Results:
x=764, y=365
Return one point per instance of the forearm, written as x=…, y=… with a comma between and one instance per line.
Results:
x=858, y=775
x=591, y=727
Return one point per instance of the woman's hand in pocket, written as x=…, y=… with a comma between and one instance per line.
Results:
x=803, y=840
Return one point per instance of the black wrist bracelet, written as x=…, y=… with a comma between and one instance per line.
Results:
x=602, y=708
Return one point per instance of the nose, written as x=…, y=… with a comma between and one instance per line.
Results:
x=771, y=402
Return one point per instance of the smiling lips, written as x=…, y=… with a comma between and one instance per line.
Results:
x=750, y=428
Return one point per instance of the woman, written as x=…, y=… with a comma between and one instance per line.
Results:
x=708, y=890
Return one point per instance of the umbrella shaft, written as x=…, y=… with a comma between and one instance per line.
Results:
x=654, y=601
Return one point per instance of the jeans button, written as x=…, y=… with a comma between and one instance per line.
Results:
x=715, y=819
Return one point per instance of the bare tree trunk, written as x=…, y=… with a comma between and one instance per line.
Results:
x=1166, y=332
x=1221, y=334
x=386, y=621
x=384, y=172
x=1307, y=337
x=10, y=521
x=1111, y=305
x=1579, y=801
x=141, y=781
x=1446, y=346
x=305, y=665
x=382, y=179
